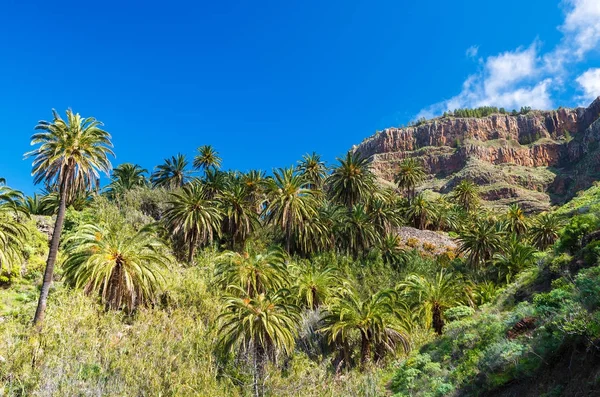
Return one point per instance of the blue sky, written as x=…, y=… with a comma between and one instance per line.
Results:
x=265, y=82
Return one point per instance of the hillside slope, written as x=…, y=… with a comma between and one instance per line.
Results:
x=539, y=337
x=535, y=159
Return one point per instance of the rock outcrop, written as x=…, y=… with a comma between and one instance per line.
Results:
x=549, y=152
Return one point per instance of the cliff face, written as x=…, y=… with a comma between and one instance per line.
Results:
x=560, y=139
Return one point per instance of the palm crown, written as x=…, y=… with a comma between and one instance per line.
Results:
x=173, y=173
x=123, y=267
x=72, y=152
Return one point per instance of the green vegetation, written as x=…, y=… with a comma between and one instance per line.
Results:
x=485, y=111
x=410, y=175
x=206, y=282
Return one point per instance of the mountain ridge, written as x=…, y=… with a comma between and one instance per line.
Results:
x=548, y=154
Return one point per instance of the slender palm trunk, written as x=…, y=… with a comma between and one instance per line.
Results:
x=192, y=250
x=49, y=272
x=365, y=349
x=259, y=369
x=438, y=321
x=288, y=242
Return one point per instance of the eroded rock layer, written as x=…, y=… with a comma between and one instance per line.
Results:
x=534, y=159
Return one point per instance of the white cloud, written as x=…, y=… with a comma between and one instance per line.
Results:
x=527, y=77
x=590, y=84
x=582, y=25
x=472, y=51
x=506, y=69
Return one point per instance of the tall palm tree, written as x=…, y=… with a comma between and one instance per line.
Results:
x=255, y=182
x=480, y=242
x=239, y=215
x=420, y=211
x=433, y=296
x=215, y=182
x=315, y=284
x=193, y=216
x=313, y=169
x=254, y=273
x=358, y=233
x=123, y=267
x=206, y=158
x=261, y=325
x=291, y=202
x=516, y=221
x=409, y=176
x=12, y=231
x=378, y=321
x=125, y=177
x=351, y=181
x=314, y=235
x=385, y=215
x=466, y=194
x=545, y=230
x=172, y=174
x=71, y=154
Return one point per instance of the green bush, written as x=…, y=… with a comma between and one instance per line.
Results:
x=459, y=312
x=578, y=227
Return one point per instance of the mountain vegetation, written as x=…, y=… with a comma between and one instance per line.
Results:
x=193, y=280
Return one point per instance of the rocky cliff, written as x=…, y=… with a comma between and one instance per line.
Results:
x=534, y=159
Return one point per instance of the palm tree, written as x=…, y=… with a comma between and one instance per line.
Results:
x=215, y=182
x=315, y=285
x=193, y=216
x=239, y=215
x=409, y=175
x=544, y=230
x=69, y=158
x=466, y=194
x=12, y=231
x=378, y=320
x=447, y=216
x=433, y=296
x=514, y=258
x=255, y=273
x=50, y=200
x=384, y=214
x=123, y=267
x=391, y=253
x=37, y=205
x=420, y=211
x=125, y=177
x=206, y=158
x=313, y=169
x=255, y=182
x=261, y=325
x=480, y=242
x=358, y=233
x=314, y=235
x=351, y=181
x=172, y=174
x=516, y=221
x=291, y=202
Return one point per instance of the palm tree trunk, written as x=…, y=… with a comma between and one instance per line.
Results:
x=259, y=369
x=49, y=272
x=192, y=250
x=365, y=349
x=438, y=321
x=288, y=239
